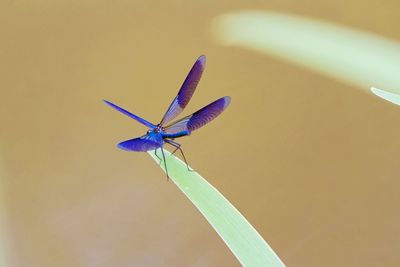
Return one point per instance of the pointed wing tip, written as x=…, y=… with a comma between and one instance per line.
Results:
x=108, y=103
x=202, y=60
x=227, y=101
x=121, y=146
x=124, y=145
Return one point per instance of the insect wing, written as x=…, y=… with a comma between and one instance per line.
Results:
x=185, y=93
x=200, y=117
x=143, y=143
x=133, y=116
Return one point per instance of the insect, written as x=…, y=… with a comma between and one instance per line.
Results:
x=166, y=131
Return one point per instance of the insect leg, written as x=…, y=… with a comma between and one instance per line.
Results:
x=155, y=153
x=165, y=163
x=178, y=147
x=174, y=144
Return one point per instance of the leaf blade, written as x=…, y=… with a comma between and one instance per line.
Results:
x=388, y=96
x=356, y=57
x=239, y=235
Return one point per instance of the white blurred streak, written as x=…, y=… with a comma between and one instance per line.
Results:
x=394, y=98
x=353, y=56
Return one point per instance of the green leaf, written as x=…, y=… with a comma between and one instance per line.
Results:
x=238, y=234
x=394, y=98
x=357, y=57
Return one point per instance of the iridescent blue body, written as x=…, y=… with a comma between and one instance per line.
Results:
x=166, y=132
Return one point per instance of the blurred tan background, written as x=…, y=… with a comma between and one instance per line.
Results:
x=311, y=162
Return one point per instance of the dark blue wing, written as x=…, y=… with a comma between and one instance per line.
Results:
x=186, y=91
x=133, y=116
x=200, y=117
x=143, y=143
